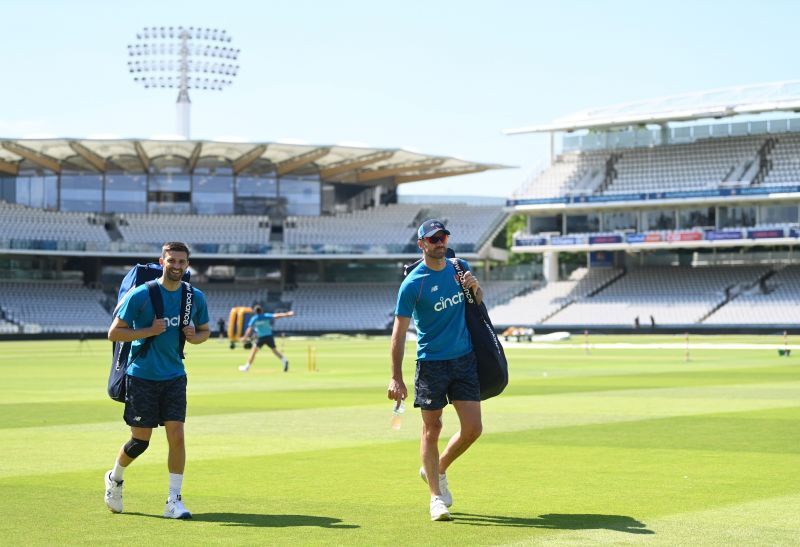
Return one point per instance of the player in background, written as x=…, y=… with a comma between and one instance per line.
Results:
x=261, y=324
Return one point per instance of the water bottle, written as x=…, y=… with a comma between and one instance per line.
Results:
x=397, y=413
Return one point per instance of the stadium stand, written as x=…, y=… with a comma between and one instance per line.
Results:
x=391, y=228
x=785, y=162
x=53, y=306
x=678, y=167
x=776, y=301
x=199, y=229
x=383, y=229
x=678, y=296
x=221, y=298
x=21, y=222
x=701, y=165
x=536, y=306
x=577, y=171
x=8, y=328
x=497, y=293
x=387, y=225
x=337, y=307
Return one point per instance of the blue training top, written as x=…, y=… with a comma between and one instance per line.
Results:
x=435, y=301
x=262, y=324
x=162, y=362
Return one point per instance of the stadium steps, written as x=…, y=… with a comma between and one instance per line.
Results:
x=571, y=301
x=762, y=280
x=110, y=224
x=610, y=174
x=765, y=163
x=603, y=286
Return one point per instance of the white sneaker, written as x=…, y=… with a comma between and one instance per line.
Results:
x=439, y=509
x=113, y=497
x=444, y=491
x=244, y=368
x=175, y=509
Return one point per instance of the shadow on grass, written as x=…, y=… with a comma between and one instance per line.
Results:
x=556, y=521
x=263, y=521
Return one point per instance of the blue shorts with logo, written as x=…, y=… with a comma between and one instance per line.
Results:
x=438, y=382
x=150, y=403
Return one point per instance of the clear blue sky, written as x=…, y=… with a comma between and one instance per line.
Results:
x=441, y=77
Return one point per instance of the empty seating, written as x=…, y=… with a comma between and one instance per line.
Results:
x=27, y=223
x=221, y=298
x=705, y=164
x=390, y=225
x=534, y=307
x=672, y=295
x=54, y=306
x=391, y=228
x=776, y=302
x=195, y=229
x=336, y=307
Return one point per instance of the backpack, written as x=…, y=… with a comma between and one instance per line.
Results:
x=492, y=363
x=121, y=351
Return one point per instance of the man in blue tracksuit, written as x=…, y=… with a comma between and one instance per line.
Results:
x=447, y=370
x=156, y=381
x=261, y=325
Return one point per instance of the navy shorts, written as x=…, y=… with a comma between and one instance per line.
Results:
x=150, y=403
x=438, y=382
x=268, y=340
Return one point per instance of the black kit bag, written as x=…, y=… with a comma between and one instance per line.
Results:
x=492, y=363
x=121, y=351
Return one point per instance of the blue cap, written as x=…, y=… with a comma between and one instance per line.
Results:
x=430, y=227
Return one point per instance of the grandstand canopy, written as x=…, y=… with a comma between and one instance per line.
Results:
x=333, y=163
x=719, y=103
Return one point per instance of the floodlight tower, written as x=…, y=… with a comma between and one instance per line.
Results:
x=183, y=58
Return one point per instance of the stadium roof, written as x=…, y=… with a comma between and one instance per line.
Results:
x=719, y=103
x=334, y=163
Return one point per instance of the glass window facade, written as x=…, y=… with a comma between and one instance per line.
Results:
x=212, y=194
x=779, y=214
x=697, y=218
x=737, y=217
x=126, y=193
x=170, y=183
x=659, y=220
x=302, y=195
x=538, y=224
x=583, y=223
x=81, y=193
x=619, y=220
x=33, y=191
x=263, y=187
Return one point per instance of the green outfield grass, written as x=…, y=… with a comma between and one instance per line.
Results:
x=604, y=446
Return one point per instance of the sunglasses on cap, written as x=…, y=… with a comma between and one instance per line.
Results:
x=436, y=239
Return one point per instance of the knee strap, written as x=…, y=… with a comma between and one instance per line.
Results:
x=135, y=447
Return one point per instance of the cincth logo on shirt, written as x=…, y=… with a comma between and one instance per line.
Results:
x=444, y=303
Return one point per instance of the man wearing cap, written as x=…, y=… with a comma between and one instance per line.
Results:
x=447, y=369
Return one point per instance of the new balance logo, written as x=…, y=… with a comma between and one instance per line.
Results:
x=435, y=288
x=137, y=418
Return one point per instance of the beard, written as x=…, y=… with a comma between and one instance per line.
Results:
x=174, y=274
x=436, y=252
